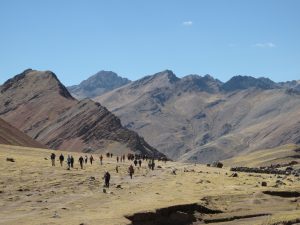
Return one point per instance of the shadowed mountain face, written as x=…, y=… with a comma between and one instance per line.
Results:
x=38, y=104
x=201, y=119
x=10, y=135
x=97, y=84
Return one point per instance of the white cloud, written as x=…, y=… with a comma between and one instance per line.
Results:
x=265, y=45
x=187, y=23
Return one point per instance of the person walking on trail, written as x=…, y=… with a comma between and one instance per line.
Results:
x=152, y=164
x=61, y=159
x=106, y=179
x=130, y=171
x=53, y=159
x=81, y=162
x=101, y=159
x=69, y=162
x=91, y=159
x=117, y=159
x=149, y=165
x=117, y=168
x=72, y=161
x=140, y=162
x=85, y=159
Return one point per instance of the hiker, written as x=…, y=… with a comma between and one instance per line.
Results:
x=53, y=158
x=91, y=159
x=152, y=164
x=101, y=158
x=81, y=161
x=117, y=159
x=106, y=179
x=72, y=161
x=149, y=165
x=85, y=159
x=135, y=162
x=61, y=159
x=130, y=171
x=69, y=162
x=140, y=162
x=117, y=168
x=111, y=155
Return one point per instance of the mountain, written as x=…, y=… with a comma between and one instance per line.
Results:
x=98, y=84
x=292, y=85
x=245, y=82
x=10, y=135
x=37, y=103
x=201, y=119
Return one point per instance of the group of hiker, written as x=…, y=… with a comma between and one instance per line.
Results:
x=70, y=160
x=137, y=161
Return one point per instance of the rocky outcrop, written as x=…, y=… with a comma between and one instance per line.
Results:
x=38, y=104
x=266, y=170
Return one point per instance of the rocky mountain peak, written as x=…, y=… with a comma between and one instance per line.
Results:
x=161, y=79
x=34, y=81
x=195, y=82
x=98, y=84
x=244, y=82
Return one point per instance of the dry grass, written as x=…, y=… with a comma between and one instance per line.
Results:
x=282, y=154
x=33, y=192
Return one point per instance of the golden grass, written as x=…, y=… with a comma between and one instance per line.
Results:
x=33, y=192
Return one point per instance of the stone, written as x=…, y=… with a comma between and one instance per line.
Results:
x=10, y=159
x=234, y=175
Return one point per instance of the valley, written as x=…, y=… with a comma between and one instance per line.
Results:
x=33, y=192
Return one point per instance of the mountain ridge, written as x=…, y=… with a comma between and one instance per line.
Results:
x=10, y=135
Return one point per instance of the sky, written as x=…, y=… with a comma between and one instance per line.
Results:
x=77, y=38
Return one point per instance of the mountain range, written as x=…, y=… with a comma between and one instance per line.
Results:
x=39, y=105
x=201, y=119
x=193, y=118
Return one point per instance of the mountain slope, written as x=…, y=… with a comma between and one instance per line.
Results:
x=10, y=135
x=205, y=121
x=97, y=84
x=38, y=104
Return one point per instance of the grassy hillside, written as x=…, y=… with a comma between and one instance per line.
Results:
x=265, y=157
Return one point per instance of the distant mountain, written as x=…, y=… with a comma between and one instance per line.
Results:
x=10, y=135
x=98, y=84
x=245, y=82
x=201, y=119
x=294, y=85
x=37, y=103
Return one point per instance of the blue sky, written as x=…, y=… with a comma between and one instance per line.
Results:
x=75, y=39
